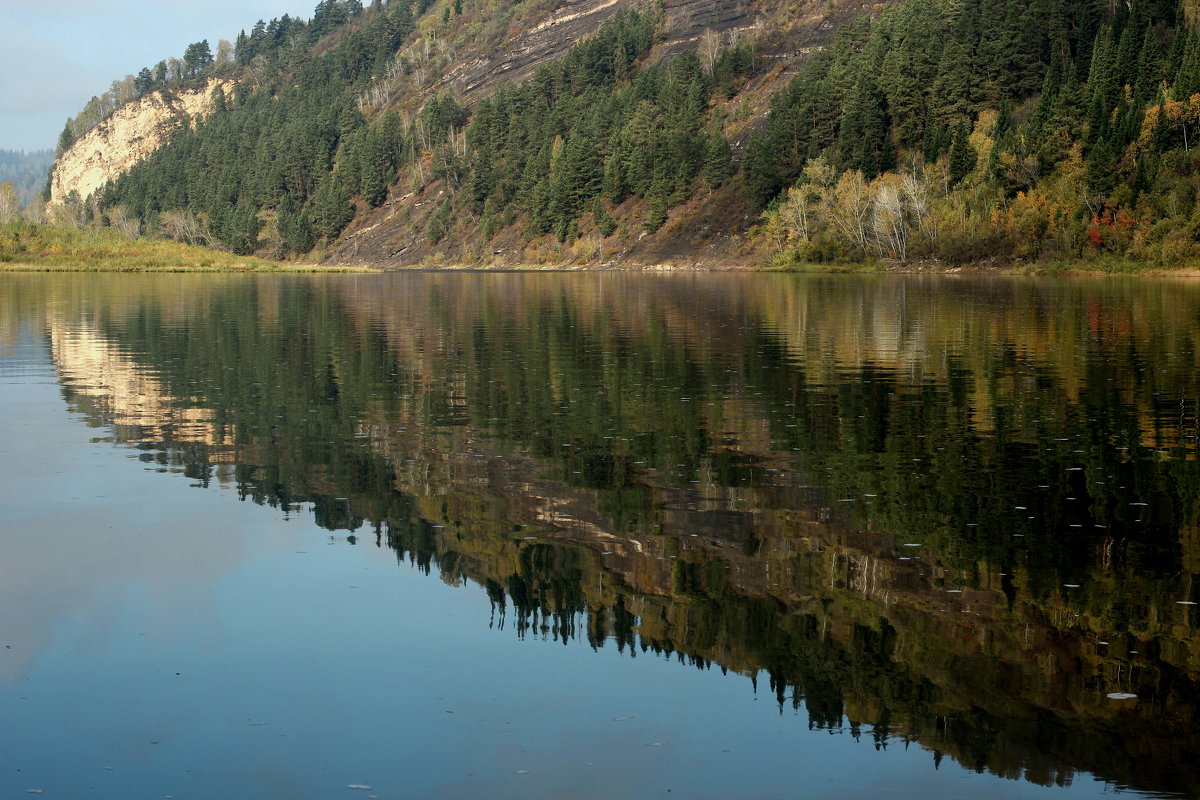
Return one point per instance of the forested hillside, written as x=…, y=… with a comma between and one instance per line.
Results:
x=940, y=130
x=286, y=165
x=1011, y=129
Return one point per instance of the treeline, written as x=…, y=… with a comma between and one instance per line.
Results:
x=1018, y=129
x=283, y=41
x=285, y=166
x=1051, y=128
x=198, y=61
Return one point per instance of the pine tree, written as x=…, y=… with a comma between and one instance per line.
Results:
x=1133, y=35
x=65, y=139
x=604, y=221
x=294, y=228
x=197, y=58
x=657, y=199
x=1187, y=80
x=1102, y=85
x=377, y=167
x=863, y=127
x=952, y=86
x=760, y=167
x=1026, y=45
x=963, y=156
x=143, y=81
x=1149, y=68
x=575, y=181
x=718, y=158
x=330, y=208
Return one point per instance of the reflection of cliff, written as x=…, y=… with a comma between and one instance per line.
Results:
x=122, y=391
x=734, y=470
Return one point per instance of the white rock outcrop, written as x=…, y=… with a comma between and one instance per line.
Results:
x=134, y=131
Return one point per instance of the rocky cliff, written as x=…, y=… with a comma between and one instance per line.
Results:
x=133, y=132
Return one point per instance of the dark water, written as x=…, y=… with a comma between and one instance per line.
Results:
x=598, y=536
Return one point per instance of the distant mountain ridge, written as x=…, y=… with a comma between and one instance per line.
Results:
x=26, y=170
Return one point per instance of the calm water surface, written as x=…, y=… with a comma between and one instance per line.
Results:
x=598, y=536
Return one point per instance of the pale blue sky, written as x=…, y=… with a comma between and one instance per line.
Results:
x=56, y=54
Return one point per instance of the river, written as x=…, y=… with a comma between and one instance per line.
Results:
x=599, y=535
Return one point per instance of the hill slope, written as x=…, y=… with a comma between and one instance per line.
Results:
x=313, y=97
x=603, y=132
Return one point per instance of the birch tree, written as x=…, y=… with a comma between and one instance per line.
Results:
x=10, y=207
x=709, y=51
x=889, y=221
x=850, y=208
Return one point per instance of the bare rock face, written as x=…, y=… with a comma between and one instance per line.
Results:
x=548, y=40
x=133, y=132
x=686, y=22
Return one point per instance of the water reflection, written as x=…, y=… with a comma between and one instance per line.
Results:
x=955, y=512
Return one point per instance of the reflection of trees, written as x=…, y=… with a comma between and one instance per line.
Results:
x=662, y=464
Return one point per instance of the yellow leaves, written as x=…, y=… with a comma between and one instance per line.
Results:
x=820, y=173
x=1191, y=10
x=1175, y=112
x=10, y=207
x=1030, y=217
x=556, y=150
x=981, y=137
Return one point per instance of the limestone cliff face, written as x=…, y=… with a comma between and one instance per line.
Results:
x=133, y=132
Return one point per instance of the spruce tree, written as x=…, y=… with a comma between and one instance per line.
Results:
x=1103, y=89
x=377, y=168
x=863, y=127
x=1187, y=80
x=952, y=87
x=718, y=158
x=657, y=199
x=963, y=156
x=1149, y=68
x=330, y=208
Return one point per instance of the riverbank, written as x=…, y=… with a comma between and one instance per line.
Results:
x=27, y=247
x=1089, y=267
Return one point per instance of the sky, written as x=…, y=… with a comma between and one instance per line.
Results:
x=55, y=55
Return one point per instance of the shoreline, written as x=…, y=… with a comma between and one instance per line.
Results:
x=115, y=256
x=258, y=269
x=34, y=247
x=1041, y=271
